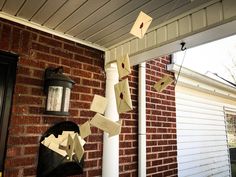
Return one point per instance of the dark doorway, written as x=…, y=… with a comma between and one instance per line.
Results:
x=8, y=63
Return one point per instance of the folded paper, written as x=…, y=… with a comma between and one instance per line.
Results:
x=70, y=147
x=107, y=125
x=123, y=99
x=55, y=147
x=85, y=130
x=99, y=104
x=163, y=83
x=123, y=66
x=141, y=25
x=78, y=147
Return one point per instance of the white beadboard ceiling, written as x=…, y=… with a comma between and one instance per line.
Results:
x=100, y=22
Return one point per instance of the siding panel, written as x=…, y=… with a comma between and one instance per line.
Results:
x=201, y=137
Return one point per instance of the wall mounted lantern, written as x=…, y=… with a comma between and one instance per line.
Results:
x=57, y=87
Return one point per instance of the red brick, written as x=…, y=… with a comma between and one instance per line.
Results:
x=50, y=41
x=15, y=43
x=40, y=47
x=23, y=140
x=39, y=50
x=36, y=129
x=92, y=54
x=83, y=59
x=61, y=53
x=81, y=73
x=25, y=41
x=47, y=58
x=28, y=100
x=73, y=48
x=5, y=37
x=14, y=151
x=31, y=150
x=92, y=83
x=21, y=161
x=29, y=171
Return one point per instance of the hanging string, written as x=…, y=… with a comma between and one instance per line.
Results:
x=183, y=48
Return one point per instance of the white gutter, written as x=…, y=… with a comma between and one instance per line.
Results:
x=142, y=121
x=48, y=30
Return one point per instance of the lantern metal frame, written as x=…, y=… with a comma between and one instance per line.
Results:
x=55, y=80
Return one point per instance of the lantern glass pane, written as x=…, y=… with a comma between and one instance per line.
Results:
x=67, y=100
x=54, y=98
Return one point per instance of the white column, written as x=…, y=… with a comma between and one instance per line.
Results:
x=110, y=159
x=142, y=121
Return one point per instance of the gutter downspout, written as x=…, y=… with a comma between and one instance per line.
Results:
x=142, y=120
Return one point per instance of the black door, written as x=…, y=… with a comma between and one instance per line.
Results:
x=8, y=64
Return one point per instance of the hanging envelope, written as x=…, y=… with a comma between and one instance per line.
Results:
x=163, y=83
x=99, y=104
x=85, y=130
x=141, y=25
x=123, y=66
x=123, y=98
x=107, y=125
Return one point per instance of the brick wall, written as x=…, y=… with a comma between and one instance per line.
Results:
x=161, y=123
x=37, y=51
x=129, y=132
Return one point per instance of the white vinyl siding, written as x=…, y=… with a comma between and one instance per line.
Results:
x=201, y=137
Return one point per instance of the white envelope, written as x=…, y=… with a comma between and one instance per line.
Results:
x=106, y=124
x=141, y=25
x=163, y=83
x=123, y=66
x=85, y=130
x=99, y=104
x=78, y=147
x=55, y=147
x=123, y=98
x=70, y=147
x=46, y=142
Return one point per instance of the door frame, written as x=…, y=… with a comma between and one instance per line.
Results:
x=10, y=60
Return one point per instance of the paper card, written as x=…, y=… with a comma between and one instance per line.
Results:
x=107, y=125
x=55, y=147
x=85, y=130
x=63, y=144
x=123, y=66
x=99, y=104
x=70, y=147
x=68, y=132
x=141, y=25
x=123, y=98
x=78, y=147
x=46, y=142
x=163, y=83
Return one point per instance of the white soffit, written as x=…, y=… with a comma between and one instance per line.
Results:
x=97, y=23
x=211, y=21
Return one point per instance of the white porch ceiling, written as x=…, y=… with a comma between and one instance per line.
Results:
x=100, y=22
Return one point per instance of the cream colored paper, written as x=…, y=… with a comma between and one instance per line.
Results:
x=55, y=147
x=163, y=83
x=107, y=125
x=123, y=66
x=123, y=99
x=46, y=142
x=141, y=25
x=78, y=147
x=99, y=104
x=70, y=147
x=85, y=130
